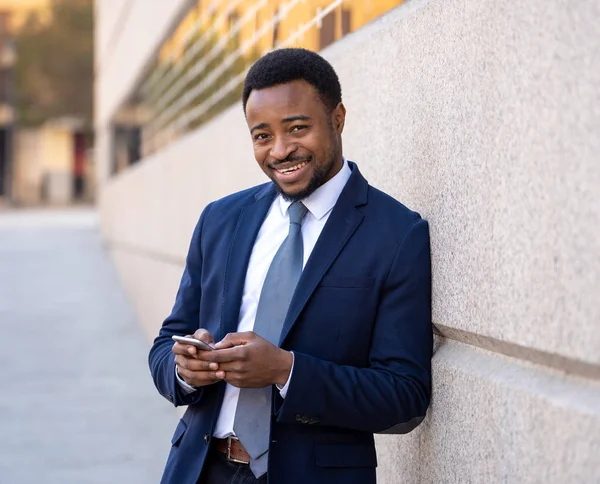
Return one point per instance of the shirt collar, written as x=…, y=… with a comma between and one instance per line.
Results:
x=322, y=200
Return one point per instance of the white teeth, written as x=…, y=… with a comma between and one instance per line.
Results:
x=293, y=168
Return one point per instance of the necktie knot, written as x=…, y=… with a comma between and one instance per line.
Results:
x=297, y=211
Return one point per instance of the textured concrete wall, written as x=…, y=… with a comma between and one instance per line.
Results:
x=484, y=117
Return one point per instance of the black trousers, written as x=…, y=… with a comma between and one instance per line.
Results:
x=218, y=470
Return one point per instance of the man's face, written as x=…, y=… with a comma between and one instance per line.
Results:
x=297, y=142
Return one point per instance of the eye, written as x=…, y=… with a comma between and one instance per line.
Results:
x=261, y=136
x=299, y=127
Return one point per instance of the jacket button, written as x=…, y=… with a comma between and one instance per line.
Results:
x=206, y=438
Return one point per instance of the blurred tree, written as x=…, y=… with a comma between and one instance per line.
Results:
x=54, y=67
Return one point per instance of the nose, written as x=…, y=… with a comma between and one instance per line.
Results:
x=282, y=148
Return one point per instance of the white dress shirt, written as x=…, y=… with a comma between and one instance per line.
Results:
x=271, y=235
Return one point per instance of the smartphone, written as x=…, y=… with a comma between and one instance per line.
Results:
x=201, y=345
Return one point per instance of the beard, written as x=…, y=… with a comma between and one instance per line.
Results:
x=319, y=177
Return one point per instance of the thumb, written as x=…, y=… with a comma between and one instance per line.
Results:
x=235, y=339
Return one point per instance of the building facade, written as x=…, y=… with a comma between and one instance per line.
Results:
x=52, y=164
x=483, y=116
x=47, y=163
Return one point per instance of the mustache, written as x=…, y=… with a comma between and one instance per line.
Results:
x=290, y=159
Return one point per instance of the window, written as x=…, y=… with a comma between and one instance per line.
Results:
x=327, y=32
x=346, y=21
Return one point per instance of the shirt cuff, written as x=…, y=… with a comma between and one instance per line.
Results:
x=283, y=390
x=184, y=386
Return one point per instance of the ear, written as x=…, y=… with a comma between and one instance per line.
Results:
x=339, y=118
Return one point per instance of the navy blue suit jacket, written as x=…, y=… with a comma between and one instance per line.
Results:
x=359, y=325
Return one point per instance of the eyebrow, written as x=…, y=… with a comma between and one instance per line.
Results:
x=290, y=119
x=259, y=126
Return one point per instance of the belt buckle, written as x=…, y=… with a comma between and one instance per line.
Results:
x=229, y=458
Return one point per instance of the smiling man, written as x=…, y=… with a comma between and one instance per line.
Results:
x=314, y=291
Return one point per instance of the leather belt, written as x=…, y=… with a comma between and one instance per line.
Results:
x=233, y=450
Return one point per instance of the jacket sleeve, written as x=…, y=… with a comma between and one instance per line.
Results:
x=183, y=320
x=395, y=389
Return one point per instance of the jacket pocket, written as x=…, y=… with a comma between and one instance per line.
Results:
x=345, y=455
x=179, y=431
x=350, y=282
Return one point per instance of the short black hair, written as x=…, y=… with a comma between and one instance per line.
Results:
x=286, y=65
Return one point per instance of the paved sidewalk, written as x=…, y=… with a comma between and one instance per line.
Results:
x=77, y=404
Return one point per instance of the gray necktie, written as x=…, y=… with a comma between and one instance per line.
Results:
x=253, y=414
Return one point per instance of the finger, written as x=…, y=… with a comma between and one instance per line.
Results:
x=184, y=349
x=204, y=335
x=181, y=361
x=197, y=378
x=200, y=365
x=236, y=339
x=226, y=355
x=224, y=343
x=192, y=378
x=194, y=364
x=232, y=367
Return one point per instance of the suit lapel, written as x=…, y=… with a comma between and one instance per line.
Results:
x=249, y=222
x=340, y=226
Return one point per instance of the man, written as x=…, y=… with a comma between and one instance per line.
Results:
x=314, y=290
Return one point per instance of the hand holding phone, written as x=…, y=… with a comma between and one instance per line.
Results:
x=201, y=345
x=189, y=365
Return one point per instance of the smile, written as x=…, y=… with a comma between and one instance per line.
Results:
x=291, y=169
